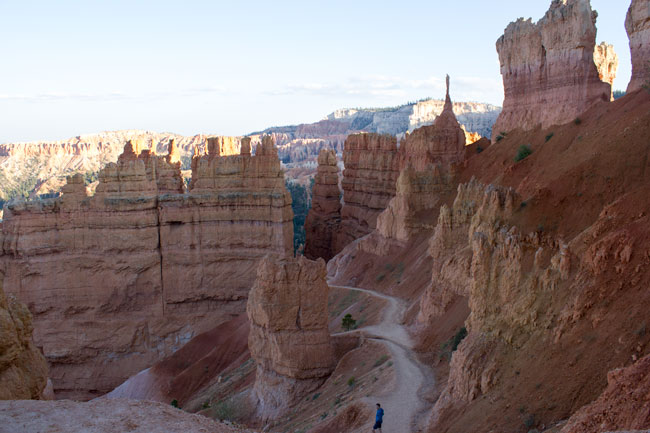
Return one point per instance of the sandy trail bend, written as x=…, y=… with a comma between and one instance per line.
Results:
x=405, y=409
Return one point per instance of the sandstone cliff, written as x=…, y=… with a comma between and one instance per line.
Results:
x=369, y=182
x=552, y=264
x=549, y=70
x=637, y=25
x=427, y=158
x=289, y=337
x=23, y=369
x=324, y=217
x=41, y=167
x=140, y=267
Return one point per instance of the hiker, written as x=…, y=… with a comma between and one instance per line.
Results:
x=379, y=418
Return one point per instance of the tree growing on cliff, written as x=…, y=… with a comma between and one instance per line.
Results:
x=300, y=204
x=523, y=152
x=348, y=322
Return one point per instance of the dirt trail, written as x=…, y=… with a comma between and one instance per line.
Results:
x=405, y=409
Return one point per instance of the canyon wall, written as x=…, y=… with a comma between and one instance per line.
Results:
x=140, y=267
x=23, y=369
x=324, y=217
x=549, y=68
x=428, y=160
x=369, y=182
x=637, y=25
x=41, y=167
x=289, y=336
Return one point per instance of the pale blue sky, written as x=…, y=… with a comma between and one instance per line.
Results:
x=229, y=67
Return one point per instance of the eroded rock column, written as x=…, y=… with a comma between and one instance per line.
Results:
x=637, y=25
x=324, y=217
x=289, y=338
x=550, y=74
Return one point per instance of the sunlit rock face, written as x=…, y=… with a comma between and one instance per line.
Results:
x=428, y=159
x=118, y=280
x=23, y=369
x=549, y=68
x=289, y=337
x=637, y=25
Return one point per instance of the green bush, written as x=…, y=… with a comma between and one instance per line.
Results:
x=549, y=136
x=174, y=403
x=352, y=381
x=460, y=335
x=226, y=410
x=348, y=322
x=381, y=360
x=523, y=152
x=577, y=121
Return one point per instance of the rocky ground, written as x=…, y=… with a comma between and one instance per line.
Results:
x=103, y=416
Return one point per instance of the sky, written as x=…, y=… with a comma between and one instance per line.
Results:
x=233, y=67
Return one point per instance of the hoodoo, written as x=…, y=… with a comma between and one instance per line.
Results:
x=637, y=25
x=289, y=337
x=427, y=159
x=140, y=267
x=324, y=217
x=549, y=68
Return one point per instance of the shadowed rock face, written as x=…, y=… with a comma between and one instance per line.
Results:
x=119, y=280
x=324, y=217
x=622, y=406
x=549, y=68
x=289, y=337
x=369, y=179
x=637, y=25
x=23, y=370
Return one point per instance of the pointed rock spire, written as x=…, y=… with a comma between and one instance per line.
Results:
x=173, y=153
x=448, y=105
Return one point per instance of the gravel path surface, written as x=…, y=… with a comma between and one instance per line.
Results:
x=405, y=410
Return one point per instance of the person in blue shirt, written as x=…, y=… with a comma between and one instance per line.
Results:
x=379, y=418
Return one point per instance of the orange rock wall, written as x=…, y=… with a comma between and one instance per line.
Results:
x=369, y=182
x=549, y=70
x=289, y=336
x=121, y=279
x=23, y=369
x=637, y=25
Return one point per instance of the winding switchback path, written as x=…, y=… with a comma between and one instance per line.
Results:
x=404, y=407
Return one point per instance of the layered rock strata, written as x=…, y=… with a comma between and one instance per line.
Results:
x=369, y=182
x=23, y=369
x=637, y=25
x=140, y=267
x=549, y=70
x=478, y=255
x=289, y=337
x=428, y=158
x=324, y=217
